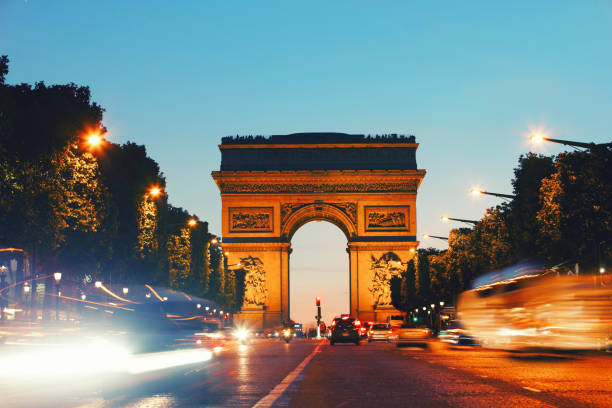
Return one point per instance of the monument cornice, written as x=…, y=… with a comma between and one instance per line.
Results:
x=319, y=181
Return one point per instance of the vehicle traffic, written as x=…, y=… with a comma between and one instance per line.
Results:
x=345, y=329
x=528, y=306
x=456, y=334
x=412, y=333
x=378, y=332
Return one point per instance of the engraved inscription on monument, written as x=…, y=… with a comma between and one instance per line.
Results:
x=251, y=219
x=387, y=218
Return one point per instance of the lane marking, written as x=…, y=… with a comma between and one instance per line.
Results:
x=532, y=389
x=277, y=391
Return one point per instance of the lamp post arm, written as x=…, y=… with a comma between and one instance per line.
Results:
x=472, y=222
x=438, y=237
x=576, y=144
x=508, y=196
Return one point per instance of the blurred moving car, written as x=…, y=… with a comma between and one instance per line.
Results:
x=395, y=320
x=345, y=329
x=412, y=334
x=378, y=332
x=456, y=334
x=529, y=306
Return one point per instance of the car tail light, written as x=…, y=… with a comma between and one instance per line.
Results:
x=333, y=323
x=389, y=332
x=357, y=323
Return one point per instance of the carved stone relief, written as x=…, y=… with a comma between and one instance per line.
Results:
x=250, y=219
x=255, y=290
x=350, y=209
x=387, y=218
x=388, y=266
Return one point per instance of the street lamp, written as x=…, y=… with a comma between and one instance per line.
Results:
x=98, y=284
x=125, y=291
x=435, y=236
x=214, y=241
x=477, y=192
x=538, y=138
x=94, y=140
x=432, y=305
x=57, y=276
x=155, y=191
x=444, y=218
x=441, y=303
x=192, y=222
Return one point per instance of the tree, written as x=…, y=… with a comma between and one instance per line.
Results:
x=575, y=216
x=179, y=256
x=37, y=127
x=403, y=289
x=522, y=211
x=4, y=68
x=140, y=238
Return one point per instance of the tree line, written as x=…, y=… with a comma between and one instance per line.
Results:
x=561, y=213
x=89, y=212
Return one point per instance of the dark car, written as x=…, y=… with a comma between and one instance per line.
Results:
x=345, y=329
x=456, y=334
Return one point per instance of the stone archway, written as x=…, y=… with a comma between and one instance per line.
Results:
x=272, y=186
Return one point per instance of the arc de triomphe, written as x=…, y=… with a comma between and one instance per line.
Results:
x=271, y=186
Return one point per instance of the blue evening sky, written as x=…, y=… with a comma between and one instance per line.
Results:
x=468, y=78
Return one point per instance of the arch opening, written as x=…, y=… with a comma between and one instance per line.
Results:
x=344, y=219
x=319, y=266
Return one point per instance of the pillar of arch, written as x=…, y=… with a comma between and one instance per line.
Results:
x=270, y=187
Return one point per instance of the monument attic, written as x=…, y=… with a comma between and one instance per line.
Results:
x=271, y=186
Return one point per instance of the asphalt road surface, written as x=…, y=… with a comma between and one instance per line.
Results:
x=312, y=373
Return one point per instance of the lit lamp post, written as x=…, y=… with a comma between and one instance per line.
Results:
x=154, y=191
x=537, y=138
x=125, y=291
x=477, y=192
x=94, y=140
x=58, y=277
x=426, y=236
x=444, y=218
x=26, y=294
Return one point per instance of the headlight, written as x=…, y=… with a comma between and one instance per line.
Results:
x=241, y=334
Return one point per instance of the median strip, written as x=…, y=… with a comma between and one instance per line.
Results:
x=273, y=395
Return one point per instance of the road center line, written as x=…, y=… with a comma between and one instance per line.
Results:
x=531, y=389
x=277, y=391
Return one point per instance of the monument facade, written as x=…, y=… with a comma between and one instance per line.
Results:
x=271, y=186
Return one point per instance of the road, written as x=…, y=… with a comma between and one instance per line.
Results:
x=315, y=374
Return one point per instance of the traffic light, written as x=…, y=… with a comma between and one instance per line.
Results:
x=318, y=300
